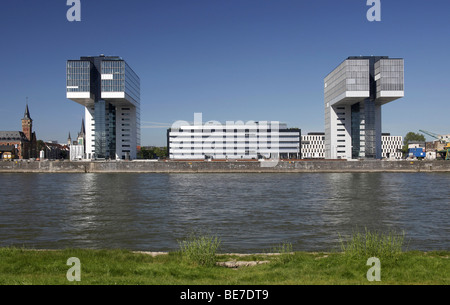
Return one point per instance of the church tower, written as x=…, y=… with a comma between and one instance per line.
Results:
x=27, y=125
x=29, y=145
x=81, y=139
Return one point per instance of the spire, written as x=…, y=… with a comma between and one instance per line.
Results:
x=69, y=138
x=27, y=116
x=83, y=130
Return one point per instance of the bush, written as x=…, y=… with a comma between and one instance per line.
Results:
x=373, y=244
x=285, y=253
x=200, y=249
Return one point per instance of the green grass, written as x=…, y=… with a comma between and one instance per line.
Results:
x=286, y=254
x=374, y=244
x=121, y=267
x=200, y=250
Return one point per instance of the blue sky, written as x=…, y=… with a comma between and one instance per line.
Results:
x=229, y=59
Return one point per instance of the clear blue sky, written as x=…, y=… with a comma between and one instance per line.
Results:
x=229, y=59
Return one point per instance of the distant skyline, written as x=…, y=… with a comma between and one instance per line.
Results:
x=227, y=59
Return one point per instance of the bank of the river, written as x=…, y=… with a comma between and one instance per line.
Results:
x=110, y=267
x=322, y=166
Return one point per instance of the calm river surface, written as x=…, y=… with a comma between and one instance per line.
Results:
x=249, y=212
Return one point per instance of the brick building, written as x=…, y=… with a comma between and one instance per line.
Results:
x=19, y=144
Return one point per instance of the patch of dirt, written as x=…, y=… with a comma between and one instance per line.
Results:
x=238, y=264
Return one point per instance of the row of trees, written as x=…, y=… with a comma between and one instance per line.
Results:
x=152, y=153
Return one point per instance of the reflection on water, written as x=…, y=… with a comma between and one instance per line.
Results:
x=249, y=212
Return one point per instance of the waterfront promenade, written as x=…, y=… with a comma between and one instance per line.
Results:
x=306, y=166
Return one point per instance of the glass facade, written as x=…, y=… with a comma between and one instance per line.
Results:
x=351, y=75
x=363, y=131
x=357, y=119
x=357, y=76
x=133, y=93
x=113, y=76
x=132, y=84
x=100, y=130
x=78, y=76
x=389, y=75
x=105, y=123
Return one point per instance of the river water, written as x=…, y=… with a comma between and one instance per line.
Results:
x=248, y=212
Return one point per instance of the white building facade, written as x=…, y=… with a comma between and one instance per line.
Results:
x=313, y=145
x=233, y=141
x=392, y=147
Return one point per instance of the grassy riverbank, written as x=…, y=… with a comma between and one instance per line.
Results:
x=108, y=267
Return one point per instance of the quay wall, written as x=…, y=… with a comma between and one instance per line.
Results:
x=322, y=166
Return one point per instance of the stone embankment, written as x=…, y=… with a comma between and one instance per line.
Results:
x=322, y=166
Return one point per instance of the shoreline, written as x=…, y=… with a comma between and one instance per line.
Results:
x=169, y=167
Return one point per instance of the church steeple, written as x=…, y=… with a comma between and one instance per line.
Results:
x=27, y=116
x=82, y=134
x=83, y=130
x=27, y=123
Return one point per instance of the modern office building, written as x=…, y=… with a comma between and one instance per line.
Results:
x=313, y=145
x=391, y=146
x=110, y=92
x=255, y=140
x=354, y=93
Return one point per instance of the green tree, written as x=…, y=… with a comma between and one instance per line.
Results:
x=153, y=153
x=145, y=153
x=413, y=137
x=160, y=152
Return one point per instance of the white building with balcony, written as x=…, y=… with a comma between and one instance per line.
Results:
x=233, y=141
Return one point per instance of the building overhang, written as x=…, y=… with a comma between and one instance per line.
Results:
x=82, y=98
x=119, y=99
x=349, y=98
x=384, y=97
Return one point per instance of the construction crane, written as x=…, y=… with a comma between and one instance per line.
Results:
x=447, y=149
x=436, y=136
x=445, y=153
